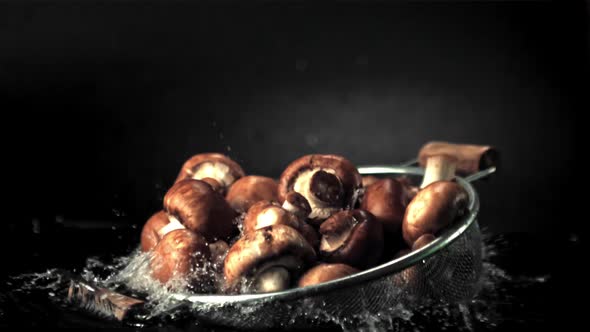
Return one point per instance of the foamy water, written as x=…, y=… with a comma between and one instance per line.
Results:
x=130, y=274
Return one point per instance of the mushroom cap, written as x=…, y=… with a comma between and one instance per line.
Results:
x=386, y=200
x=201, y=209
x=218, y=251
x=422, y=241
x=149, y=233
x=435, y=207
x=250, y=189
x=343, y=169
x=352, y=237
x=268, y=213
x=297, y=204
x=177, y=254
x=225, y=176
x=369, y=180
x=325, y=272
x=310, y=234
x=261, y=246
x=411, y=189
x=214, y=184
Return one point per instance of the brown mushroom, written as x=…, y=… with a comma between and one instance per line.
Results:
x=470, y=158
x=410, y=188
x=297, y=204
x=215, y=185
x=328, y=182
x=211, y=165
x=251, y=189
x=352, y=237
x=149, y=233
x=423, y=241
x=434, y=208
x=386, y=199
x=409, y=275
x=199, y=208
x=178, y=254
x=326, y=272
x=267, y=260
x=369, y=180
x=218, y=251
x=267, y=213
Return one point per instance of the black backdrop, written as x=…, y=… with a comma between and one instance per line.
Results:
x=103, y=100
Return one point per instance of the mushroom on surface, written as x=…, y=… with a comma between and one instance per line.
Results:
x=251, y=189
x=177, y=255
x=199, y=208
x=149, y=234
x=326, y=272
x=328, y=182
x=352, y=237
x=267, y=260
x=267, y=213
x=216, y=166
x=434, y=208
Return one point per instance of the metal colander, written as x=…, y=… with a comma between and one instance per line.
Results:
x=448, y=269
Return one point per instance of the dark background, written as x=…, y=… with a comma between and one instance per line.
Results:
x=104, y=100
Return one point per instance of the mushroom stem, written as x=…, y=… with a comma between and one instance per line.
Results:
x=173, y=225
x=439, y=168
x=273, y=279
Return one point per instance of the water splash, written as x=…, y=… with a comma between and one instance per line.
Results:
x=130, y=274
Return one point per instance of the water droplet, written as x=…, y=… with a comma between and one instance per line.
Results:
x=36, y=226
x=541, y=279
x=311, y=140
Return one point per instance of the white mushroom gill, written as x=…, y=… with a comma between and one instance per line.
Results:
x=215, y=170
x=302, y=185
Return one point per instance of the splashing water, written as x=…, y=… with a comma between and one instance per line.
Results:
x=130, y=275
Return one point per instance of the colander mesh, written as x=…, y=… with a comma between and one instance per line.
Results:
x=451, y=275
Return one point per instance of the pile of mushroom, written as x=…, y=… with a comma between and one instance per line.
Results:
x=318, y=222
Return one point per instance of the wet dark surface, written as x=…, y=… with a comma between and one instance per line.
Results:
x=540, y=281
